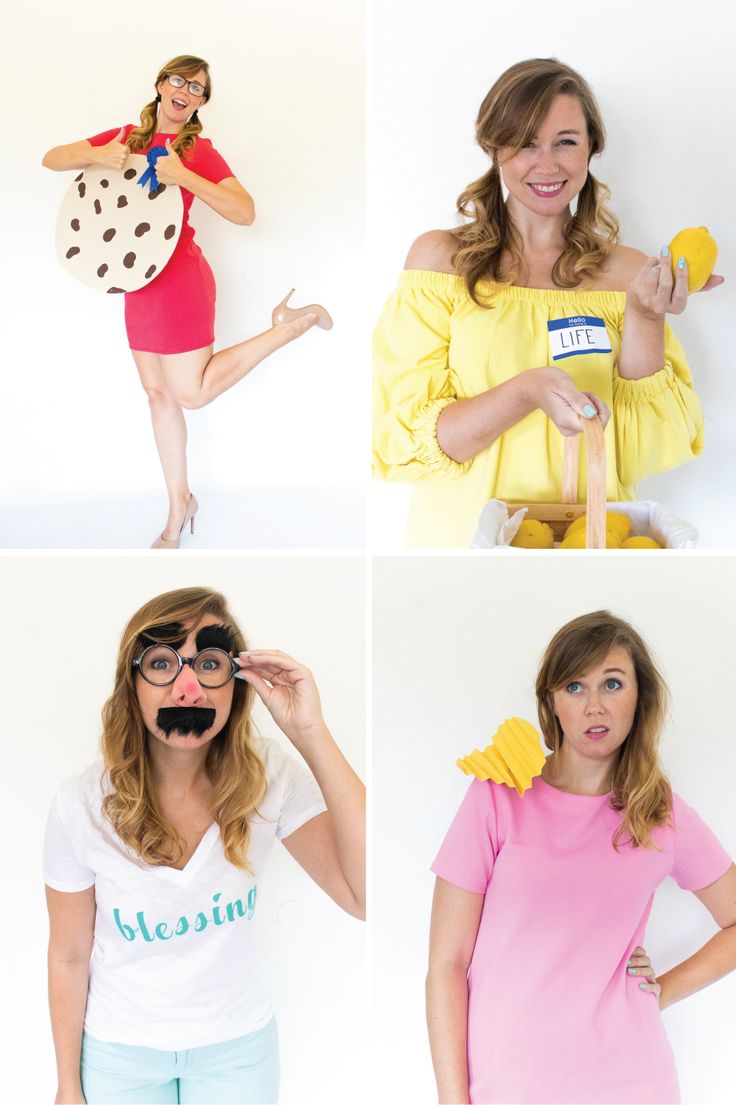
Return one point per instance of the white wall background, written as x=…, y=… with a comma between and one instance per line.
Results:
x=457, y=641
x=664, y=78
x=61, y=608
x=287, y=114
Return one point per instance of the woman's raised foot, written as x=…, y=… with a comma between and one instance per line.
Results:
x=283, y=314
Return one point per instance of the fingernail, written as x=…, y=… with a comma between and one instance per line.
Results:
x=681, y=263
x=642, y=985
x=589, y=410
x=665, y=251
x=631, y=970
x=238, y=675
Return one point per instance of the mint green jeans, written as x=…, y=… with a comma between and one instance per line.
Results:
x=244, y=1071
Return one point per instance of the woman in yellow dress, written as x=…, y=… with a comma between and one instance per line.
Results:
x=505, y=332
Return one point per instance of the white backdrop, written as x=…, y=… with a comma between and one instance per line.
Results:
x=287, y=114
x=63, y=608
x=457, y=641
x=663, y=75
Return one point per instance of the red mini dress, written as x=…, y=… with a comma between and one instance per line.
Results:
x=176, y=311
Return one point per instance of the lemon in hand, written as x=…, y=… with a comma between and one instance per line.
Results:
x=699, y=250
x=533, y=535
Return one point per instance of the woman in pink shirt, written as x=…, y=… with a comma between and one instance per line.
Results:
x=535, y=991
x=170, y=321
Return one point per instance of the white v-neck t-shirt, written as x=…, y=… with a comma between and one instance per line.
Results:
x=176, y=961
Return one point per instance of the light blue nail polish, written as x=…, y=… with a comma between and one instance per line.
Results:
x=665, y=251
x=681, y=263
x=642, y=985
x=589, y=410
x=632, y=970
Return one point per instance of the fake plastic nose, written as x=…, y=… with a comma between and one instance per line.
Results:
x=187, y=688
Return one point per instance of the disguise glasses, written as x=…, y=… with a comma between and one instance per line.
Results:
x=160, y=665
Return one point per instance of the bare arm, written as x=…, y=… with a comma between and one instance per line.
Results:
x=228, y=198
x=82, y=154
x=76, y=155
x=331, y=846
x=72, y=923
x=467, y=427
x=455, y=919
x=715, y=959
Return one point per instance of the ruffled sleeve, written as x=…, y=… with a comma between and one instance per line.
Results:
x=413, y=381
x=658, y=419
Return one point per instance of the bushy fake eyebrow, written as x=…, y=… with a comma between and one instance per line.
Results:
x=214, y=636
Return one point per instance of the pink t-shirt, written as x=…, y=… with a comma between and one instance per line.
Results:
x=553, y=1016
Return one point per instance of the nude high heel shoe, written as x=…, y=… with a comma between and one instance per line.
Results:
x=282, y=313
x=173, y=542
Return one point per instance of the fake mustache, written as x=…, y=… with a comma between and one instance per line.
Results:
x=186, y=720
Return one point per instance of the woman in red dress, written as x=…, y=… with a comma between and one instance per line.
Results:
x=170, y=322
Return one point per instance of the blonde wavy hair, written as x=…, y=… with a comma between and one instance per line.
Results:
x=488, y=245
x=232, y=764
x=641, y=791
x=185, y=65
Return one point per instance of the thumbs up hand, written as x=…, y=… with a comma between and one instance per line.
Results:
x=115, y=153
x=169, y=169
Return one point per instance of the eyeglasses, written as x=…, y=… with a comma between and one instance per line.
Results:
x=195, y=87
x=160, y=665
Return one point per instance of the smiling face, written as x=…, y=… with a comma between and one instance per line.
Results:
x=552, y=168
x=596, y=710
x=177, y=104
x=186, y=692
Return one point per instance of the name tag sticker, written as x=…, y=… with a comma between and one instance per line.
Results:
x=572, y=337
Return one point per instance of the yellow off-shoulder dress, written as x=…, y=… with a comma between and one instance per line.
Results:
x=434, y=345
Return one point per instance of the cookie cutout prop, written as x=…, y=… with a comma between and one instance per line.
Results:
x=514, y=757
x=114, y=233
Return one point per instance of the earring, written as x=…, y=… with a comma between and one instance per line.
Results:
x=158, y=98
x=193, y=118
x=504, y=189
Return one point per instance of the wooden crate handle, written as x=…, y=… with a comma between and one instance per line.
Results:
x=595, y=524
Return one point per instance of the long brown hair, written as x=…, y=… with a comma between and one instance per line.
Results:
x=641, y=791
x=232, y=764
x=509, y=117
x=185, y=65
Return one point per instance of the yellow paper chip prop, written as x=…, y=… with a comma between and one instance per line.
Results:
x=514, y=756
